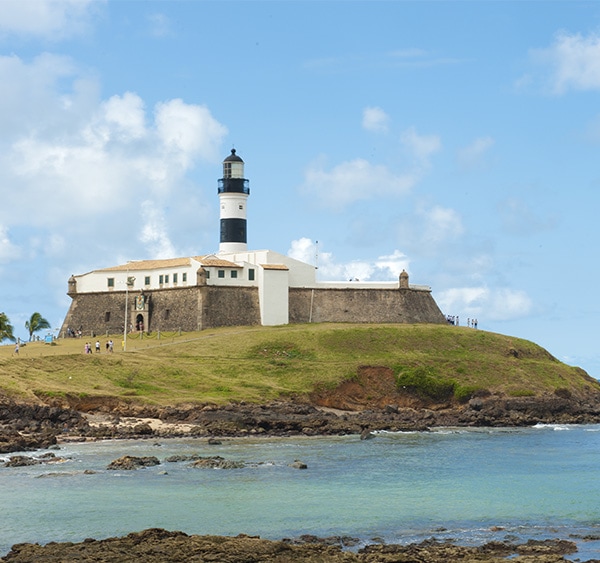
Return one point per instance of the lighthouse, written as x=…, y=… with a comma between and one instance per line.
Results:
x=233, y=196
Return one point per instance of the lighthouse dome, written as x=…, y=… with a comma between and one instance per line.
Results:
x=233, y=157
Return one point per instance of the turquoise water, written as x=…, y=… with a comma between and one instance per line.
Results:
x=451, y=483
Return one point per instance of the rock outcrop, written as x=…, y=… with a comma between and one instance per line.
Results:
x=160, y=546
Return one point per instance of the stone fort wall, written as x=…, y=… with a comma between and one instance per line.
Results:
x=200, y=307
x=187, y=309
x=363, y=306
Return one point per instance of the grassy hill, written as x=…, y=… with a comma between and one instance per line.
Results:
x=258, y=364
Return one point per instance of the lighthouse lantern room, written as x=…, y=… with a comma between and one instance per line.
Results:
x=233, y=195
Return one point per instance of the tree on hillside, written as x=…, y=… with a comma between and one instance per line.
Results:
x=6, y=329
x=35, y=323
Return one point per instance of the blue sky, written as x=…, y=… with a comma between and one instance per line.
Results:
x=457, y=140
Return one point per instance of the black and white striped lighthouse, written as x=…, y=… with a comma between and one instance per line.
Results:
x=233, y=195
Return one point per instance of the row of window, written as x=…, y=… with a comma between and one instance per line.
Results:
x=164, y=278
x=232, y=274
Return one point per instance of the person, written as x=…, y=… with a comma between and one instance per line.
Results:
x=110, y=345
x=98, y=346
x=17, y=348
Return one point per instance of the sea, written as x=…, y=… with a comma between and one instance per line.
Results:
x=469, y=486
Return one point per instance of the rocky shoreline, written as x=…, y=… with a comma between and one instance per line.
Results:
x=32, y=426
x=161, y=546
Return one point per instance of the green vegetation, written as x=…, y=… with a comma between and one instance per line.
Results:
x=258, y=364
x=6, y=329
x=36, y=323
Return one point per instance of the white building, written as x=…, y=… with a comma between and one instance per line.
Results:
x=256, y=287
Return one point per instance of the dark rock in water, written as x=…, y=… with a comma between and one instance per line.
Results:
x=217, y=462
x=297, y=464
x=178, y=458
x=14, y=441
x=129, y=463
x=367, y=435
x=21, y=461
x=214, y=442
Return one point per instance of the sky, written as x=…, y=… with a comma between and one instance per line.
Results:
x=457, y=140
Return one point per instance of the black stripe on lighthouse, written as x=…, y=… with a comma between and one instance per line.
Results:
x=233, y=230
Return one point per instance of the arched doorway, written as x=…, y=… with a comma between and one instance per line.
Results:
x=139, y=323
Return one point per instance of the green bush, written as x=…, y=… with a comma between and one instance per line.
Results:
x=424, y=383
x=522, y=393
x=462, y=393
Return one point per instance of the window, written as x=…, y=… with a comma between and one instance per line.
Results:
x=147, y=280
x=174, y=278
x=167, y=313
x=234, y=273
x=240, y=206
x=111, y=282
x=207, y=274
x=184, y=277
x=161, y=279
x=221, y=273
x=107, y=317
x=251, y=274
x=167, y=278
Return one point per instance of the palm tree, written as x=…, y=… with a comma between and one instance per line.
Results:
x=35, y=323
x=6, y=329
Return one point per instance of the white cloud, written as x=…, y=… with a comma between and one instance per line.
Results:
x=40, y=93
x=440, y=224
x=75, y=170
x=8, y=251
x=472, y=155
x=188, y=130
x=422, y=146
x=49, y=19
x=496, y=304
x=154, y=232
x=352, y=181
x=574, y=62
x=384, y=268
x=394, y=263
x=304, y=250
x=375, y=119
x=359, y=179
x=122, y=117
x=87, y=159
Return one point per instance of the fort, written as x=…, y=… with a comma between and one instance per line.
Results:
x=234, y=287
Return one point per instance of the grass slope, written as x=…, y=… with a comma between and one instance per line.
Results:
x=258, y=364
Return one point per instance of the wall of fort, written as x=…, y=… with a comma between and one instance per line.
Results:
x=187, y=309
x=229, y=306
x=363, y=306
x=200, y=307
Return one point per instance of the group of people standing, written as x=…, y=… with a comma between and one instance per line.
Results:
x=88, y=347
x=454, y=320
